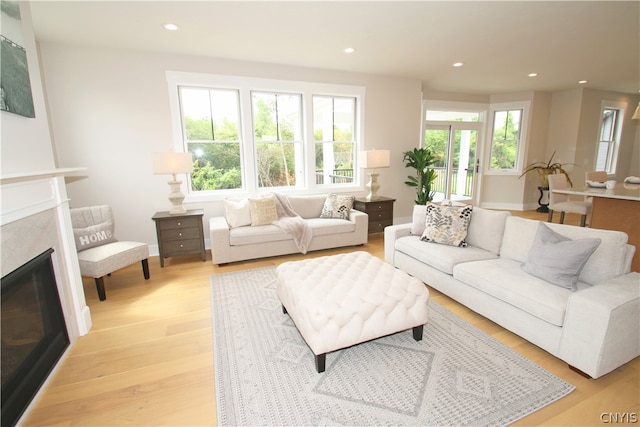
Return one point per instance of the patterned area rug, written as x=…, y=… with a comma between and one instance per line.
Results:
x=457, y=375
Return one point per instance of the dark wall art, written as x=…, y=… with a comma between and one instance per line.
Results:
x=15, y=87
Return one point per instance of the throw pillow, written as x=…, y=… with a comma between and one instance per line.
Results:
x=337, y=206
x=94, y=235
x=263, y=209
x=558, y=259
x=447, y=224
x=419, y=219
x=237, y=212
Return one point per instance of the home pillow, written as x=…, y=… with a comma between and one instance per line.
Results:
x=558, y=259
x=337, y=206
x=237, y=212
x=94, y=235
x=447, y=224
x=263, y=209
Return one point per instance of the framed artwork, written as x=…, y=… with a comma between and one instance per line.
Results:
x=15, y=87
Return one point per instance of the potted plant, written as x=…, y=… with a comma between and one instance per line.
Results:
x=420, y=159
x=545, y=169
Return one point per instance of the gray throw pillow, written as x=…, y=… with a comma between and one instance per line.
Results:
x=95, y=235
x=558, y=259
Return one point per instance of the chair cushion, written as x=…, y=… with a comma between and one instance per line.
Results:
x=102, y=260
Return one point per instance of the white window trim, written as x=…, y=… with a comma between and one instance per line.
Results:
x=247, y=84
x=622, y=107
x=522, y=148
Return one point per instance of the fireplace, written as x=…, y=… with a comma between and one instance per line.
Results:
x=34, y=334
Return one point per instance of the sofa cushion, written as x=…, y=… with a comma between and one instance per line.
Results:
x=337, y=206
x=447, y=224
x=558, y=259
x=440, y=257
x=307, y=206
x=504, y=279
x=257, y=234
x=326, y=226
x=606, y=262
x=419, y=219
x=486, y=229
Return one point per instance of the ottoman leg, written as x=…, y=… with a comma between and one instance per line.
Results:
x=417, y=332
x=320, y=362
x=284, y=309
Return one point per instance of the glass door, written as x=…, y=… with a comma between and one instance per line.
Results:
x=455, y=147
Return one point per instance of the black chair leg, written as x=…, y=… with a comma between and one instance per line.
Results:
x=100, y=286
x=562, y=217
x=550, y=217
x=145, y=268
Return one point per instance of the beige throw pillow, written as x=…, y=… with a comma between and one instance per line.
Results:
x=237, y=212
x=263, y=209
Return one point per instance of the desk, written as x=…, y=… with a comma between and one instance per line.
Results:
x=616, y=209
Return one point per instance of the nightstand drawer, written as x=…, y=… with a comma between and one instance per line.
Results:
x=169, y=224
x=378, y=226
x=380, y=215
x=181, y=246
x=180, y=234
x=378, y=206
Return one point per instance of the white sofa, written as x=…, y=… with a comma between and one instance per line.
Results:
x=594, y=329
x=251, y=242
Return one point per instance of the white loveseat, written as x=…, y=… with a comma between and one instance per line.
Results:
x=594, y=329
x=230, y=244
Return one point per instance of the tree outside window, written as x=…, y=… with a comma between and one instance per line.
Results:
x=505, y=142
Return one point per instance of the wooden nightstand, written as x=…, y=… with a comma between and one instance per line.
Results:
x=380, y=211
x=179, y=234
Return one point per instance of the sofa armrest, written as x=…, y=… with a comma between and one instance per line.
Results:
x=391, y=234
x=600, y=331
x=220, y=239
x=361, y=220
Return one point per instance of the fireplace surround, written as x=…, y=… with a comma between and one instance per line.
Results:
x=34, y=218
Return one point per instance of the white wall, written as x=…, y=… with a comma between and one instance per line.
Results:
x=26, y=143
x=110, y=110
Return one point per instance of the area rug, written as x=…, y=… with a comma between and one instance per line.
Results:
x=457, y=375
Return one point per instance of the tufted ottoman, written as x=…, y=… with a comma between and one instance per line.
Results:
x=341, y=300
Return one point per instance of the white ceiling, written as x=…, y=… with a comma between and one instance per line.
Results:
x=500, y=42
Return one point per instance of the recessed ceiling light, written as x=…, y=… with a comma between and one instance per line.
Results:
x=458, y=64
x=582, y=82
x=349, y=50
x=533, y=74
x=171, y=27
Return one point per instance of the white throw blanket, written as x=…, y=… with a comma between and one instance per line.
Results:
x=292, y=223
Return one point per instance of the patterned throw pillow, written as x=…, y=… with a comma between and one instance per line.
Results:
x=337, y=206
x=95, y=235
x=263, y=209
x=447, y=224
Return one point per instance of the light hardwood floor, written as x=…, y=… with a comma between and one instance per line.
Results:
x=148, y=358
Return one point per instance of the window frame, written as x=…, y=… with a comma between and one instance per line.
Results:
x=245, y=86
x=611, y=163
x=522, y=143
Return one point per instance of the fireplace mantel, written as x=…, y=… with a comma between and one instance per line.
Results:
x=31, y=201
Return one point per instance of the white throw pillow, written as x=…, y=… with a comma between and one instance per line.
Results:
x=447, y=224
x=237, y=212
x=263, y=209
x=558, y=259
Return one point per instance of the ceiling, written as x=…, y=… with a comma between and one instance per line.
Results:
x=499, y=42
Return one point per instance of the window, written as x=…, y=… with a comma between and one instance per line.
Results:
x=248, y=134
x=334, y=125
x=609, y=137
x=507, y=138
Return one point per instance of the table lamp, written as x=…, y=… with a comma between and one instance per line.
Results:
x=374, y=159
x=173, y=163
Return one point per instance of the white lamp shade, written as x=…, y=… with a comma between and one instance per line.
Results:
x=172, y=163
x=374, y=159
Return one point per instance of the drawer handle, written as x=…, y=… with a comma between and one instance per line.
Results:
x=180, y=234
x=182, y=246
x=179, y=223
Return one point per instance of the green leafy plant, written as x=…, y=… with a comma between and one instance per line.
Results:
x=545, y=169
x=420, y=159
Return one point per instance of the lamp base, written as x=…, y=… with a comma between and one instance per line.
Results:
x=176, y=197
x=373, y=186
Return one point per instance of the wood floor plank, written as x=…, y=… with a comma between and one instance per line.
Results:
x=148, y=359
